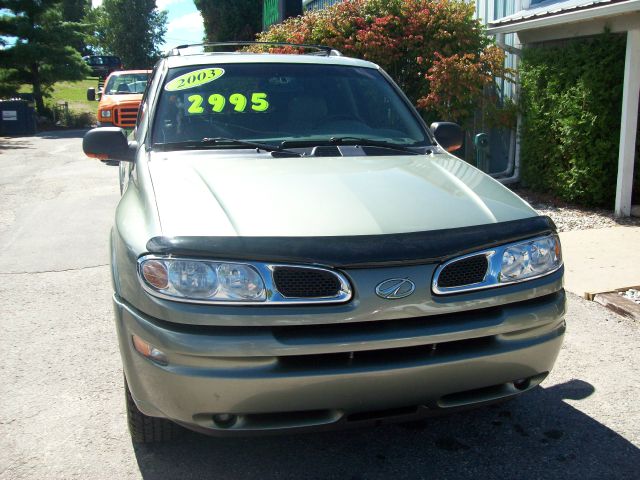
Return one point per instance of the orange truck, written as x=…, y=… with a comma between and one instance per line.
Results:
x=120, y=98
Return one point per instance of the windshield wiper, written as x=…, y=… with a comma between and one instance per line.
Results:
x=215, y=141
x=365, y=142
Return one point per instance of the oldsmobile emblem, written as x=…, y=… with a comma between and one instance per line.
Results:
x=395, y=288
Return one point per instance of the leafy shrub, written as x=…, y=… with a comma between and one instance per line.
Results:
x=66, y=118
x=571, y=99
x=434, y=49
x=79, y=119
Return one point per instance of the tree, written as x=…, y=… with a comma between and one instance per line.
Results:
x=41, y=54
x=228, y=20
x=8, y=84
x=76, y=11
x=130, y=29
x=434, y=49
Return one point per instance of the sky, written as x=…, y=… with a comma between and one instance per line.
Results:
x=184, y=23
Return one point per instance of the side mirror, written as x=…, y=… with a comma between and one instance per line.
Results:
x=108, y=143
x=449, y=135
x=91, y=94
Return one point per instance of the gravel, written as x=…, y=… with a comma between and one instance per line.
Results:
x=569, y=217
x=632, y=294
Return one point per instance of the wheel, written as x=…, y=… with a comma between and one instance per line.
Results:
x=145, y=429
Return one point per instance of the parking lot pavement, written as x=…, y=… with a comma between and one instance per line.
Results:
x=61, y=397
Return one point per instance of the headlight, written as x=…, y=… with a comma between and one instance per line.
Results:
x=201, y=280
x=219, y=282
x=498, y=266
x=105, y=113
x=531, y=259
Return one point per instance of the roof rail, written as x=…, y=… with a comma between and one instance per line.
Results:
x=318, y=49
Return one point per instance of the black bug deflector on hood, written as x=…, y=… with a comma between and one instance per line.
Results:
x=357, y=251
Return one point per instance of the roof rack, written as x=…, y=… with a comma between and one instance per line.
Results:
x=318, y=49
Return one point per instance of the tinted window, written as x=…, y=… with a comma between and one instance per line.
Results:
x=126, y=83
x=273, y=102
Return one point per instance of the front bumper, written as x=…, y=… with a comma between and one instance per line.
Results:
x=278, y=378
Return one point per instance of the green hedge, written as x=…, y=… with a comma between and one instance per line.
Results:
x=571, y=101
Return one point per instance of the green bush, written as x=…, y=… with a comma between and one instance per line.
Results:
x=434, y=49
x=571, y=99
x=79, y=119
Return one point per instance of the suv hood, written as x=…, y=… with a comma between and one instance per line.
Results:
x=207, y=193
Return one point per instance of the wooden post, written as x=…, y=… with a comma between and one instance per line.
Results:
x=628, y=124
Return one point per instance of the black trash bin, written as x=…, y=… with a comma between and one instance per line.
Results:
x=17, y=117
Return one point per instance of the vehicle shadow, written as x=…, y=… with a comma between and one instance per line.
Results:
x=537, y=436
x=4, y=145
x=111, y=163
x=58, y=134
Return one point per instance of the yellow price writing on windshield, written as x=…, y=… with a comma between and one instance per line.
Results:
x=194, y=79
x=218, y=102
x=196, y=104
x=259, y=102
x=238, y=101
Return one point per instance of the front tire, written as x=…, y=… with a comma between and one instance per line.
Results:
x=145, y=429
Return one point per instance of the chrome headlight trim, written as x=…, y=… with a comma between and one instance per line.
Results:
x=265, y=270
x=492, y=277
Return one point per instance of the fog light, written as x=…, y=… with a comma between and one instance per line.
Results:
x=149, y=351
x=225, y=420
x=522, y=384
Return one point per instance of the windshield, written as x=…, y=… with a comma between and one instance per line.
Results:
x=126, y=83
x=274, y=102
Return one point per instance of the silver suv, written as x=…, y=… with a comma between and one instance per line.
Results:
x=295, y=248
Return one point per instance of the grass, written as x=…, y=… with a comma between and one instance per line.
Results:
x=81, y=113
x=74, y=93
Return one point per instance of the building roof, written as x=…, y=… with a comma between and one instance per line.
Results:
x=554, y=12
x=551, y=7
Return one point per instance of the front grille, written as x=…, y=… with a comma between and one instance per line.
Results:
x=125, y=117
x=305, y=282
x=464, y=272
x=387, y=356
